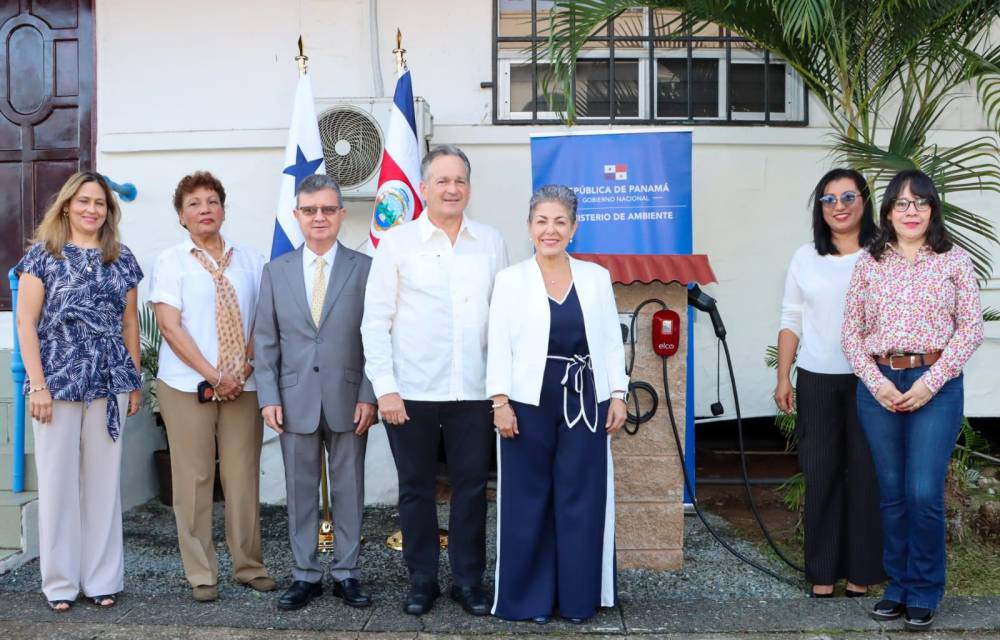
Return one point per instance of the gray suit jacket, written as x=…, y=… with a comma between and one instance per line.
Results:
x=303, y=367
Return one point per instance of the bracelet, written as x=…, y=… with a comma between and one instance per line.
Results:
x=494, y=407
x=42, y=387
x=220, y=379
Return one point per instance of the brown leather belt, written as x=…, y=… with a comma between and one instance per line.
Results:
x=897, y=361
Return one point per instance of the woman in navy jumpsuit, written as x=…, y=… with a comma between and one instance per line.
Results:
x=555, y=372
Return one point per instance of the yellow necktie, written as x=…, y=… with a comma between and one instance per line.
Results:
x=319, y=290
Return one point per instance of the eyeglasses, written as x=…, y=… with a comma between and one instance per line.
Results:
x=900, y=205
x=311, y=211
x=847, y=199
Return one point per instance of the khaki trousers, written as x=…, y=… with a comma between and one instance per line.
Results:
x=79, y=500
x=195, y=430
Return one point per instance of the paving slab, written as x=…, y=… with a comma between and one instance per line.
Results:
x=957, y=613
x=706, y=615
x=69, y=631
x=389, y=617
x=447, y=617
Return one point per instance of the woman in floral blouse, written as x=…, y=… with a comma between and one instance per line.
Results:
x=911, y=321
x=79, y=334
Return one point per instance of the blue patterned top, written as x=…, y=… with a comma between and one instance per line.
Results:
x=80, y=328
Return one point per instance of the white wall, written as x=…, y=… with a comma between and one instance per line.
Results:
x=177, y=93
x=192, y=85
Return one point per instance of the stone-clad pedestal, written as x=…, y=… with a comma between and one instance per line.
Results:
x=649, y=487
x=649, y=484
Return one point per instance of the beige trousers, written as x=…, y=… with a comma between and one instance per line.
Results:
x=195, y=431
x=79, y=500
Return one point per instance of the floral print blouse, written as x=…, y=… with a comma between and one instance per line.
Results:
x=80, y=328
x=895, y=306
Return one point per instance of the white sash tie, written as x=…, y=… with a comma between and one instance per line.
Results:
x=578, y=367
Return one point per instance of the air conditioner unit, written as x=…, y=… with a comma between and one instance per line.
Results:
x=353, y=132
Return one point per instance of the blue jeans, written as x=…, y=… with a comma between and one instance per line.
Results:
x=911, y=453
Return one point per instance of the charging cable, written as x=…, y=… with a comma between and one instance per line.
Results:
x=720, y=333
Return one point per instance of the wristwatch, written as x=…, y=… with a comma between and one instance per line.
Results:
x=620, y=395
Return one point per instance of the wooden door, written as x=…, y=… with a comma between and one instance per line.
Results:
x=46, y=112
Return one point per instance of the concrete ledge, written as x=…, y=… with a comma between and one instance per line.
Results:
x=28, y=504
x=25, y=615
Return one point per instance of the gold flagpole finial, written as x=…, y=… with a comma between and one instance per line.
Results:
x=399, y=51
x=302, y=59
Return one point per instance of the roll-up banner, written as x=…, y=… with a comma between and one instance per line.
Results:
x=633, y=189
x=633, y=193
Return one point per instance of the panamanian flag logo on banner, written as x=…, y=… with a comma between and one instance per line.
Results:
x=397, y=200
x=615, y=172
x=303, y=158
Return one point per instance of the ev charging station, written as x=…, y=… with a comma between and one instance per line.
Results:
x=635, y=219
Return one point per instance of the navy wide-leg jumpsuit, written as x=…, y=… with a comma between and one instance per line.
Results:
x=555, y=498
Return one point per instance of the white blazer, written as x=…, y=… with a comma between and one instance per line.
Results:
x=519, y=331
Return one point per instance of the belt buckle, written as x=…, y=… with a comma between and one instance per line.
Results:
x=892, y=358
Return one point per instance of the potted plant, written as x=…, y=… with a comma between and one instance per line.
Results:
x=150, y=340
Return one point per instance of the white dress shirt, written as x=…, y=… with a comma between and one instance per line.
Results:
x=309, y=268
x=813, y=307
x=426, y=311
x=182, y=282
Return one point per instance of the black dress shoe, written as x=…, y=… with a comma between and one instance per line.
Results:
x=887, y=610
x=299, y=595
x=472, y=599
x=350, y=592
x=421, y=598
x=575, y=620
x=918, y=618
x=541, y=619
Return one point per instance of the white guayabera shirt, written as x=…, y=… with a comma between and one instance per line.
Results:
x=426, y=311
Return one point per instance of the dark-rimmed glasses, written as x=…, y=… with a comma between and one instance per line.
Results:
x=900, y=205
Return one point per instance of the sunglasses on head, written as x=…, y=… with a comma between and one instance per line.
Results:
x=847, y=199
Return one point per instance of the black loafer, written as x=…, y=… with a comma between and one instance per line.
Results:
x=350, y=592
x=472, y=599
x=299, y=595
x=421, y=598
x=887, y=610
x=918, y=618
x=541, y=619
x=575, y=620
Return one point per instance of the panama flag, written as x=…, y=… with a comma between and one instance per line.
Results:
x=303, y=158
x=397, y=200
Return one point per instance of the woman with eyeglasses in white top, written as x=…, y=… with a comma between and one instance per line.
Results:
x=843, y=539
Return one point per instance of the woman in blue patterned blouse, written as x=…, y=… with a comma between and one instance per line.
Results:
x=78, y=327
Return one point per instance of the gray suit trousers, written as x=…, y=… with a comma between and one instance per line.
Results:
x=301, y=454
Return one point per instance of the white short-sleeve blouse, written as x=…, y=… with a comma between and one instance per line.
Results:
x=182, y=282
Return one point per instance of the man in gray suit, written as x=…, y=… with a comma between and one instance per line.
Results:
x=312, y=389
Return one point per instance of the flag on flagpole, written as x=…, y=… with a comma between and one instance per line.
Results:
x=303, y=158
x=397, y=200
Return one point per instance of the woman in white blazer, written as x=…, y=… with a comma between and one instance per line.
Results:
x=556, y=375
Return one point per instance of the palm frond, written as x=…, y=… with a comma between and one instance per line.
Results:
x=899, y=64
x=793, y=493
x=149, y=342
x=771, y=357
x=991, y=314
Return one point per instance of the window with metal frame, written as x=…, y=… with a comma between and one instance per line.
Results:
x=640, y=70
